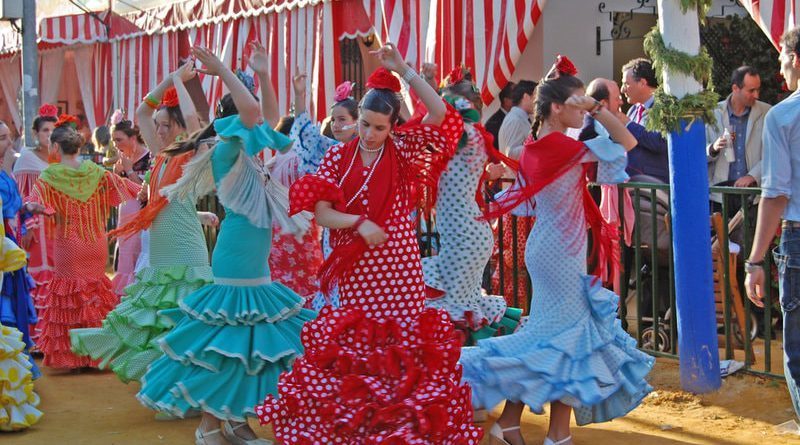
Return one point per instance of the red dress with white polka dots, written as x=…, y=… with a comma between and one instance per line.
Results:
x=382, y=368
x=80, y=294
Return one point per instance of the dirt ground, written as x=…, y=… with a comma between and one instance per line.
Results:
x=96, y=409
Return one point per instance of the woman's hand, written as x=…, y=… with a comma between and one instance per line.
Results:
x=36, y=209
x=299, y=83
x=258, y=61
x=586, y=103
x=208, y=219
x=372, y=233
x=211, y=63
x=495, y=171
x=143, y=194
x=390, y=58
x=185, y=72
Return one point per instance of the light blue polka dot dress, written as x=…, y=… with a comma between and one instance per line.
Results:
x=573, y=348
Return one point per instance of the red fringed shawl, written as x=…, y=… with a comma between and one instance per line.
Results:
x=156, y=203
x=396, y=175
x=542, y=162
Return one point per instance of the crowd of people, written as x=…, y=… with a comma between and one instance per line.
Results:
x=316, y=313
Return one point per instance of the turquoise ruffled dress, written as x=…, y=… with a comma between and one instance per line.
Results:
x=232, y=339
x=573, y=348
x=128, y=340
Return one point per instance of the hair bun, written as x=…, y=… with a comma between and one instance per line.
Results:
x=384, y=79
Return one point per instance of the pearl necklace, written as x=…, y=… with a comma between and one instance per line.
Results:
x=369, y=150
x=369, y=176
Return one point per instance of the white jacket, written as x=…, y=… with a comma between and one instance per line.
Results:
x=718, y=166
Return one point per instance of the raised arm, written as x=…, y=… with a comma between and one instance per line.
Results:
x=259, y=62
x=391, y=59
x=616, y=129
x=184, y=74
x=147, y=126
x=246, y=104
x=299, y=84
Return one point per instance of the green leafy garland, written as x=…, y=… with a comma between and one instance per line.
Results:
x=703, y=6
x=668, y=111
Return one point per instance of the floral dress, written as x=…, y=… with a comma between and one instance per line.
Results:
x=381, y=367
x=295, y=262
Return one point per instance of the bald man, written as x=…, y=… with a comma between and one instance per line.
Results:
x=607, y=92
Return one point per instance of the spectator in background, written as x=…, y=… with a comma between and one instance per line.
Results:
x=780, y=206
x=742, y=115
x=496, y=120
x=650, y=156
x=517, y=123
x=607, y=92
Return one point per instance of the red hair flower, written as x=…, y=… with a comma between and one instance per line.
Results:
x=48, y=110
x=384, y=79
x=67, y=120
x=344, y=91
x=565, y=66
x=457, y=75
x=170, y=98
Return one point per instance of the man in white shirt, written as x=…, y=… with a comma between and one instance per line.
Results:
x=517, y=124
x=780, y=207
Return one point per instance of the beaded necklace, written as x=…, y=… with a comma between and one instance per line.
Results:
x=369, y=176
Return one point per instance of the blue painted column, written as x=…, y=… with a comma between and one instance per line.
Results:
x=694, y=286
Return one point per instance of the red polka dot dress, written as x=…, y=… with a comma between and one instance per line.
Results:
x=80, y=294
x=382, y=368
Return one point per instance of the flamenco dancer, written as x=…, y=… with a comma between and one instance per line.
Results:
x=177, y=263
x=381, y=368
x=79, y=196
x=310, y=145
x=18, y=402
x=33, y=233
x=16, y=304
x=133, y=163
x=231, y=339
x=572, y=353
x=453, y=276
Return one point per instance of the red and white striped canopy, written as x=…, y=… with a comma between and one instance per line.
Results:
x=488, y=36
x=774, y=16
x=71, y=29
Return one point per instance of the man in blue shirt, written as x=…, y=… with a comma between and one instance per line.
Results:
x=650, y=156
x=780, y=206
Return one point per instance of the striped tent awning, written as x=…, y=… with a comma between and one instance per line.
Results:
x=73, y=29
x=774, y=17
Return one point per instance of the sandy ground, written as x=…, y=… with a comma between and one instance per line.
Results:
x=96, y=409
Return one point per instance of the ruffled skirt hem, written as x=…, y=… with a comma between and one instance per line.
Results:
x=593, y=366
x=126, y=341
x=223, y=353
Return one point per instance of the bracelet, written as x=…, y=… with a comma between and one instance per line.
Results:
x=597, y=107
x=409, y=75
x=151, y=102
x=750, y=266
x=359, y=222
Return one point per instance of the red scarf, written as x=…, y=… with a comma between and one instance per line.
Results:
x=493, y=156
x=385, y=182
x=542, y=162
x=156, y=202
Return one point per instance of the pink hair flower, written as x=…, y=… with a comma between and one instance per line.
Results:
x=344, y=91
